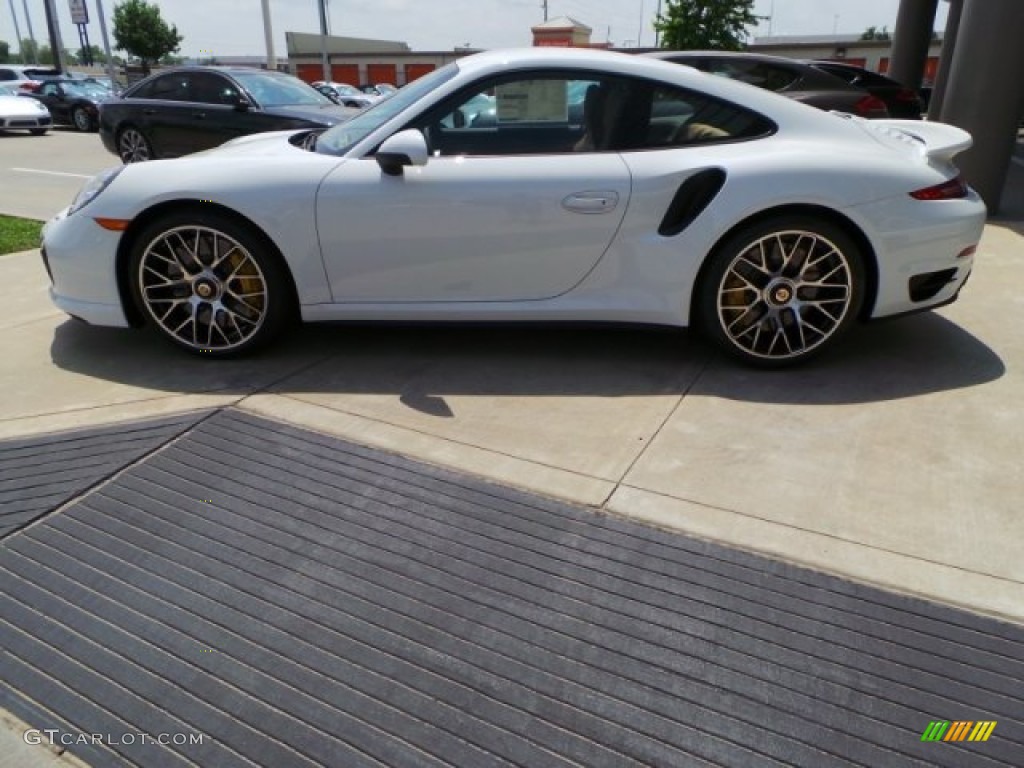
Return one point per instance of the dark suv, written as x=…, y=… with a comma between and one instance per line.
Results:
x=189, y=109
x=790, y=78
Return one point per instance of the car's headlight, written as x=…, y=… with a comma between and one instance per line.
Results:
x=93, y=187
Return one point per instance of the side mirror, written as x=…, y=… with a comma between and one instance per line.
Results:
x=242, y=104
x=404, y=148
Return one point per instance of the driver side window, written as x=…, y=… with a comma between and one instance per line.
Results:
x=532, y=114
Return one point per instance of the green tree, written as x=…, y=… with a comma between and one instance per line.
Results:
x=140, y=30
x=708, y=24
x=94, y=51
x=29, y=51
x=5, y=52
x=874, y=33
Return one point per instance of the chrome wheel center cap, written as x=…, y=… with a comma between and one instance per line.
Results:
x=205, y=290
x=780, y=293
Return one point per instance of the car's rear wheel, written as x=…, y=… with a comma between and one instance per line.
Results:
x=132, y=146
x=210, y=284
x=780, y=291
x=81, y=119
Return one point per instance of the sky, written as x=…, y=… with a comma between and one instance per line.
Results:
x=235, y=27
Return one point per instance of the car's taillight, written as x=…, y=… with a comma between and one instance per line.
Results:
x=947, y=190
x=871, y=106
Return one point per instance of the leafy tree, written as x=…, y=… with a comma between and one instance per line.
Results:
x=140, y=30
x=94, y=52
x=29, y=51
x=874, y=33
x=711, y=24
x=5, y=52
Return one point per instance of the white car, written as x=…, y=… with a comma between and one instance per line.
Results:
x=22, y=113
x=604, y=187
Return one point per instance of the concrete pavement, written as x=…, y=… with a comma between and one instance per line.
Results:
x=895, y=460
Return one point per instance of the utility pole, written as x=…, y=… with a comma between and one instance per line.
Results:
x=325, y=66
x=106, y=43
x=657, y=32
x=53, y=27
x=31, y=33
x=17, y=33
x=268, y=33
x=544, y=5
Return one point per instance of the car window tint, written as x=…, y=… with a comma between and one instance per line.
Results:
x=771, y=77
x=49, y=89
x=209, y=88
x=172, y=87
x=559, y=114
x=8, y=74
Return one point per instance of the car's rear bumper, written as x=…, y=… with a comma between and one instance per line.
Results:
x=928, y=254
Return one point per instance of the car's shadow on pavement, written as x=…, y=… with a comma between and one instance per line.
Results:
x=890, y=360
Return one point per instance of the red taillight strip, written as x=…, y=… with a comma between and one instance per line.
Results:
x=948, y=190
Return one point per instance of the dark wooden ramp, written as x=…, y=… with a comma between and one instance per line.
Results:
x=296, y=600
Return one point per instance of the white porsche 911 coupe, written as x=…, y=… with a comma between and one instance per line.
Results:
x=594, y=186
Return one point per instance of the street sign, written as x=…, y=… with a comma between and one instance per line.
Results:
x=79, y=11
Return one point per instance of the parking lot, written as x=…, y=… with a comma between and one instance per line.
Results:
x=894, y=461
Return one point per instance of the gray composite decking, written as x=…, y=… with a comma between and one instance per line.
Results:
x=299, y=600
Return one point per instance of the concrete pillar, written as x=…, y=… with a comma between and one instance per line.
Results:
x=911, y=39
x=985, y=92
x=949, y=38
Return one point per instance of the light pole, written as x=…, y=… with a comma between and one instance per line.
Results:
x=106, y=43
x=17, y=33
x=268, y=33
x=31, y=33
x=325, y=66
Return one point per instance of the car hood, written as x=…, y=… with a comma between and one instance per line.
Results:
x=262, y=144
x=328, y=114
x=22, y=106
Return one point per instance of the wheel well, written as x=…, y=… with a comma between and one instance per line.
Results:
x=147, y=217
x=817, y=211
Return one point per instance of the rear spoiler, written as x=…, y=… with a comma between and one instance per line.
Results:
x=936, y=141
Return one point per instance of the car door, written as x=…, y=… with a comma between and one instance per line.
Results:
x=162, y=111
x=510, y=206
x=215, y=116
x=53, y=97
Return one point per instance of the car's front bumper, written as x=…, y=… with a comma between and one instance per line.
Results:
x=80, y=257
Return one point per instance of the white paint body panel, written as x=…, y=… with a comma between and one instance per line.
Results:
x=491, y=238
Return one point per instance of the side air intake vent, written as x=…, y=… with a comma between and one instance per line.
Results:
x=692, y=197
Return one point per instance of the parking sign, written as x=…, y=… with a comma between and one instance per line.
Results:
x=79, y=12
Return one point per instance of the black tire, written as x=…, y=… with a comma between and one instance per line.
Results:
x=80, y=120
x=779, y=291
x=211, y=284
x=133, y=146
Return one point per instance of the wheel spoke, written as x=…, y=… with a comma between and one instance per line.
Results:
x=785, y=294
x=182, y=285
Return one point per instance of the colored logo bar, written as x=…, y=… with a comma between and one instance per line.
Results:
x=958, y=730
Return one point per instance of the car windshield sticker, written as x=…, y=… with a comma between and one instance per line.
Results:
x=542, y=101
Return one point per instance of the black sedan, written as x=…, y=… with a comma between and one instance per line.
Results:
x=794, y=79
x=71, y=102
x=188, y=109
x=902, y=102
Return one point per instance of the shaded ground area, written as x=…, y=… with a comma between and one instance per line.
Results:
x=298, y=600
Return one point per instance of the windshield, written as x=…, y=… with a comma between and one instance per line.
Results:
x=86, y=90
x=272, y=90
x=341, y=138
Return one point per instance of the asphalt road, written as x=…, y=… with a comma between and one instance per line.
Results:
x=41, y=174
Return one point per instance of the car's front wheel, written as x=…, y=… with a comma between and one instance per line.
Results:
x=779, y=291
x=81, y=119
x=210, y=284
x=132, y=146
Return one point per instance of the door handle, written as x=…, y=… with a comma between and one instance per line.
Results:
x=149, y=111
x=199, y=115
x=592, y=201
